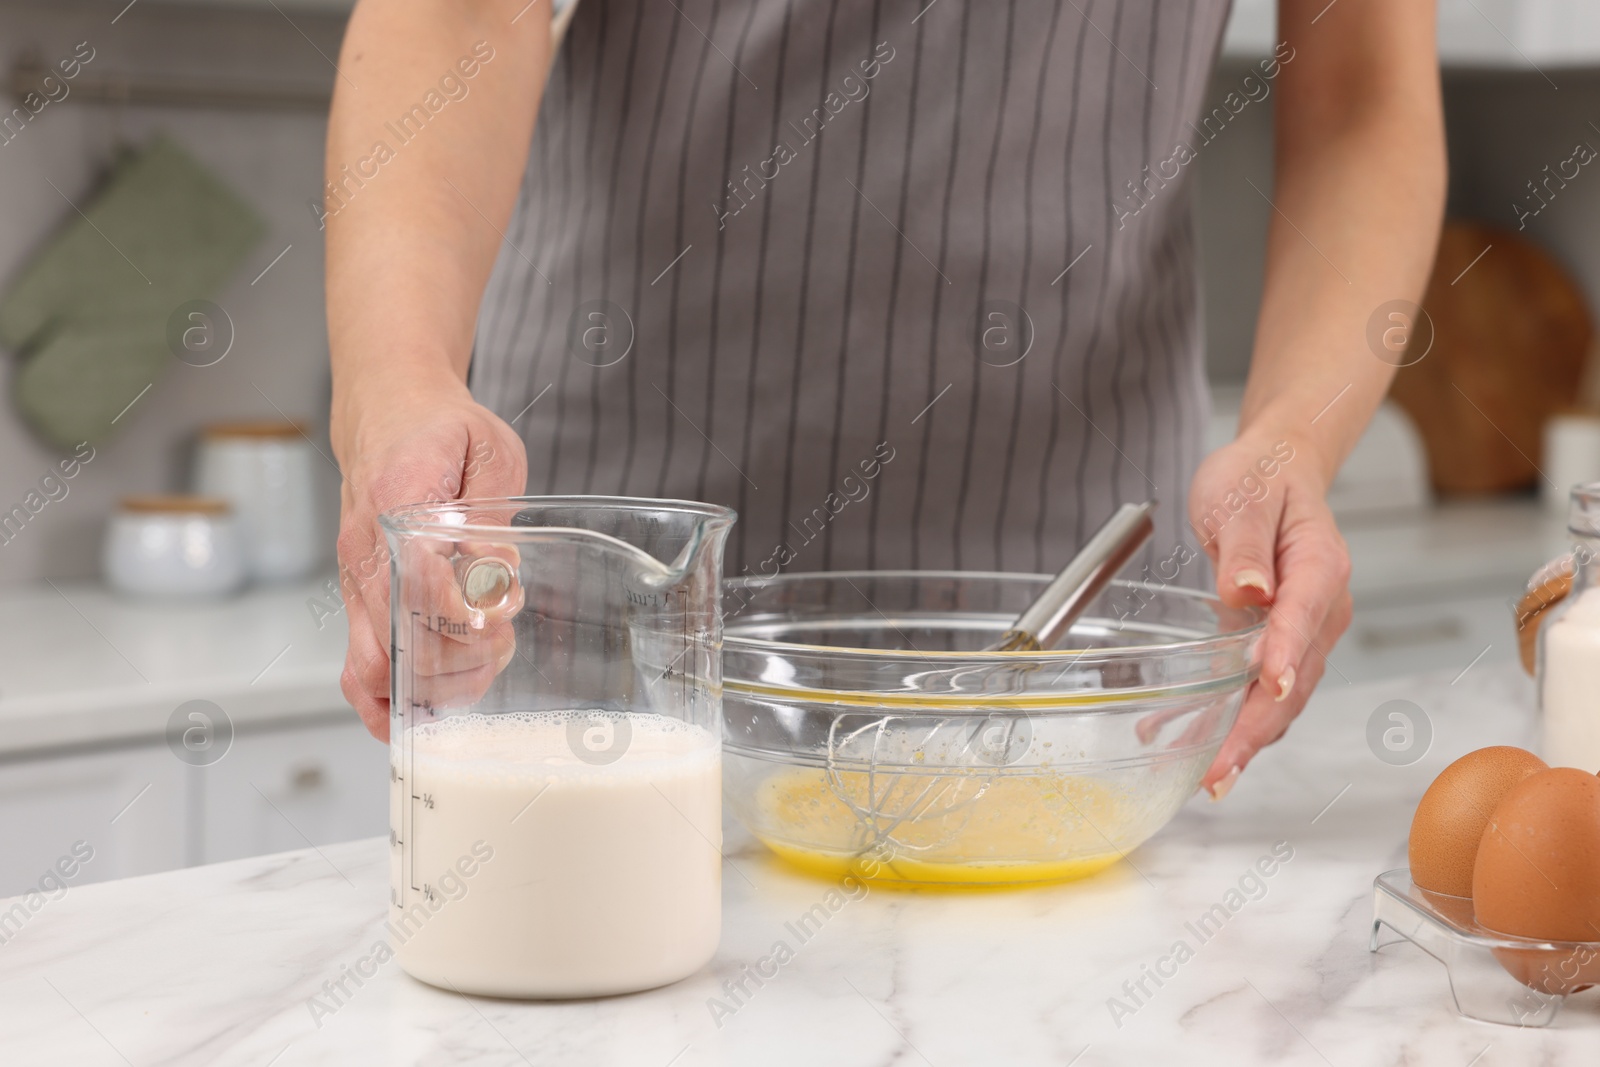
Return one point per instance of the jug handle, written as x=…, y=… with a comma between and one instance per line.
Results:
x=486, y=583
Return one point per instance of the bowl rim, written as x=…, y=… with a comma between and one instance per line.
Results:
x=736, y=643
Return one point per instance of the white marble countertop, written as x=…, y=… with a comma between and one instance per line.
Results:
x=1452, y=548
x=80, y=664
x=218, y=965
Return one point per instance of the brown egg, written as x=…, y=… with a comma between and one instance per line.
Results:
x=1453, y=812
x=1552, y=970
x=1538, y=867
x=1538, y=876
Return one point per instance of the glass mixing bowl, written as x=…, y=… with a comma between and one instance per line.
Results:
x=867, y=733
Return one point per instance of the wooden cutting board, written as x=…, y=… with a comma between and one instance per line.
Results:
x=1510, y=339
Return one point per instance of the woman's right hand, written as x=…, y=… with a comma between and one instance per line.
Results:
x=410, y=443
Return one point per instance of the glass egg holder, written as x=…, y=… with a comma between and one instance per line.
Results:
x=1493, y=978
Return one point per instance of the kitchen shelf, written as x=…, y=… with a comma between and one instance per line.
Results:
x=322, y=7
x=1530, y=35
x=150, y=90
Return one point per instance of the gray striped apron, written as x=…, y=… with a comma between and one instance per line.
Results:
x=907, y=284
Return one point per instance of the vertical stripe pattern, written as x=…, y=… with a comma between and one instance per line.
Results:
x=810, y=258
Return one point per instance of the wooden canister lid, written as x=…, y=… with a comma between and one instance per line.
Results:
x=1545, y=594
x=174, y=504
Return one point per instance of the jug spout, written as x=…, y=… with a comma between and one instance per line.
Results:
x=657, y=543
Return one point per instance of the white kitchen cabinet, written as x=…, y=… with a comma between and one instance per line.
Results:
x=142, y=810
x=128, y=805
x=283, y=789
x=92, y=682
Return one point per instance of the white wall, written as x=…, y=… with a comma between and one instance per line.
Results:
x=272, y=159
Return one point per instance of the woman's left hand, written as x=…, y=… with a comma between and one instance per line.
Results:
x=1259, y=509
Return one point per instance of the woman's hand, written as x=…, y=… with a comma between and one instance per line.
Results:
x=1259, y=508
x=411, y=443
x=408, y=256
x=1358, y=192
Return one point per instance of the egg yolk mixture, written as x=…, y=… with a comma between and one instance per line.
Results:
x=898, y=828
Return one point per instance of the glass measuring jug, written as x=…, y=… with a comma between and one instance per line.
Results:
x=555, y=742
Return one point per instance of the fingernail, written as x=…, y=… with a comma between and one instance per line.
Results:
x=1225, y=784
x=1252, y=578
x=1285, y=684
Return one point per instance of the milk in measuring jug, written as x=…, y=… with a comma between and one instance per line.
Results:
x=593, y=845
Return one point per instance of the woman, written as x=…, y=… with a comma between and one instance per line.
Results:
x=907, y=284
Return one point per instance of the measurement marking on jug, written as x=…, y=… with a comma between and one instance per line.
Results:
x=686, y=676
x=408, y=816
x=668, y=671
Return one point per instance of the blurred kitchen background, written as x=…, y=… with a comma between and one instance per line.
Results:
x=113, y=708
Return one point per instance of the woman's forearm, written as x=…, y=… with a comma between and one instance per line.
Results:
x=1358, y=199
x=433, y=110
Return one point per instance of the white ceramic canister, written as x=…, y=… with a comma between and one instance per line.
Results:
x=267, y=471
x=1571, y=455
x=173, y=546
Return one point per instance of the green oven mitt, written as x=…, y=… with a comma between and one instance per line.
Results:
x=79, y=381
x=89, y=313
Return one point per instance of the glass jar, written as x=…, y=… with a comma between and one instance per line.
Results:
x=1569, y=648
